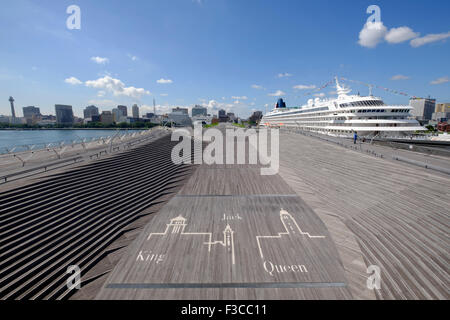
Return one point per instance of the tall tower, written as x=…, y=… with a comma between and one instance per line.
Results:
x=135, y=111
x=13, y=112
x=228, y=241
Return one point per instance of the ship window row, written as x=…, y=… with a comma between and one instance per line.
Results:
x=311, y=110
x=328, y=118
x=301, y=111
x=382, y=110
x=365, y=125
x=363, y=103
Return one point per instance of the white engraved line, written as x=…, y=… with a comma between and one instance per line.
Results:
x=209, y=234
x=280, y=234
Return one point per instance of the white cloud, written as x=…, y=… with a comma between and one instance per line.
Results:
x=372, y=34
x=440, y=80
x=401, y=34
x=304, y=87
x=258, y=87
x=428, y=39
x=133, y=58
x=239, y=98
x=164, y=94
x=73, y=81
x=320, y=95
x=133, y=92
x=282, y=75
x=117, y=87
x=236, y=102
x=100, y=60
x=101, y=94
x=164, y=81
x=278, y=93
x=214, y=106
x=399, y=77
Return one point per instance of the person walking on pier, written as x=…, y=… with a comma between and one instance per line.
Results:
x=355, y=137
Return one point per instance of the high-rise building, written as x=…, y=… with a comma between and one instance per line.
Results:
x=231, y=116
x=423, y=108
x=106, y=117
x=118, y=115
x=135, y=111
x=256, y=116
x=182, y=110
x=440, y=116
x=31, y=114
x=223, y=116
x=4, y=119
x=442, y=107
x=64, y=114
x=13, y=112
x=199, y=111
x=124, y=110
x=179, y=118
x=46, y=120
x=90, y=111
x=441, y=113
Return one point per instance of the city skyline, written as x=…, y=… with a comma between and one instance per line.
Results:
x=90, y=110
x=200, y=55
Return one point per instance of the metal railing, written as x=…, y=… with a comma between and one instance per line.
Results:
x=66, y=143
x=82, y=147
x=43, y=168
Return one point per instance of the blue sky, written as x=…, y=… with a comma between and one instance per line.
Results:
x=230, y=54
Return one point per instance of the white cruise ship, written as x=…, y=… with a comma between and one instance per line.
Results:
x=368, y=116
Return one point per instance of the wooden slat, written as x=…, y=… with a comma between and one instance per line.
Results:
x=398, y=213
x=255, y=201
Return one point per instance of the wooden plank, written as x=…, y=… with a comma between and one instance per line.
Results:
x=279, y=249
x=398, y=213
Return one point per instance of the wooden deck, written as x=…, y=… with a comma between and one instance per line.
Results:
x=231, y=233
x=80, y=216
x=309, y=232
x=395, y=214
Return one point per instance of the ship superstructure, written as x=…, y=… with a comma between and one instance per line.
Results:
x=367, y=115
